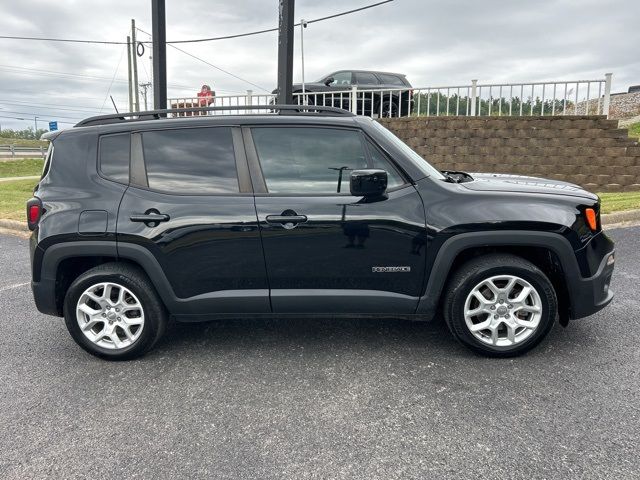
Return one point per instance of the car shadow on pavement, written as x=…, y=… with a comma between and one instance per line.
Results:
x=320, y=335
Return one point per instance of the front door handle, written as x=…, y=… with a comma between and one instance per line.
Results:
x=286, y=218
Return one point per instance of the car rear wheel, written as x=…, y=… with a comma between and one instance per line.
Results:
x=113, y=312
x=500, y=305
x=389, y=109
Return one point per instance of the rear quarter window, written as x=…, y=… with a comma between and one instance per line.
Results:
x=391, y=79
x=114, y=151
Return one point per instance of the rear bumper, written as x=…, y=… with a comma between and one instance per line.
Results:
x=593, y=294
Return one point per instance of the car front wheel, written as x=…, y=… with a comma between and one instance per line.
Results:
x=500, y=305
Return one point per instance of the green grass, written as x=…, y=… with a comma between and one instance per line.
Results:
x=21, y=168
x=634, y=130
x=13, y=196
x=23, y=142
x=616, y=202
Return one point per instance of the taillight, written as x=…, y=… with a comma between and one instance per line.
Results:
x=34, y=212
x=592, y=218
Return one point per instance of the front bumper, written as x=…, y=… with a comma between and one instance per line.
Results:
x=593, y=293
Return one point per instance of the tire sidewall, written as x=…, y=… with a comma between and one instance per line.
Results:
x=152, y=316
x=536, y=279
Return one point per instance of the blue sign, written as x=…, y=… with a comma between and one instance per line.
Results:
x=53, y=126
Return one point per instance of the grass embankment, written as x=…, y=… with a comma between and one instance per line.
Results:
x=634, y=130
x=13, y=196
x=23, y=142
x=616, y=202
x=21, y=168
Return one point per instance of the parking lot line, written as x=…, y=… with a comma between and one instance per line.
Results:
x=15, y=285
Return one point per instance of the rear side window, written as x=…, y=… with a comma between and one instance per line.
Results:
x=391, y=79
x=191, y=161
x=114, y=157
x=366, y=78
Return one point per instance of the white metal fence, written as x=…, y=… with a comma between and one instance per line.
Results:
x=573, y=97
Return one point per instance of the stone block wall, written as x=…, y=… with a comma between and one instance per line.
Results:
x=588, y=150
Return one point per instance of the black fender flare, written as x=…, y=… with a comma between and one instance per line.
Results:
x=225, y=301
x=452, y=247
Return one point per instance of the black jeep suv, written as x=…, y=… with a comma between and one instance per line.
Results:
x=137, y=221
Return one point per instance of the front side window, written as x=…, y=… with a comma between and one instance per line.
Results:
x=341, y=79
x=190, y=161
x=114, y=156
x=307, y=160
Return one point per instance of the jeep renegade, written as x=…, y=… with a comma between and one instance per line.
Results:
x=138, y=220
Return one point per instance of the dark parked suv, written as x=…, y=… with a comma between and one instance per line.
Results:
x=142, y=220
x=380, y=94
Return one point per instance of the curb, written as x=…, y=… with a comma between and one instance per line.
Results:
x=15, y=228
x=608, y=219
x=14, y=179
x=13, y=225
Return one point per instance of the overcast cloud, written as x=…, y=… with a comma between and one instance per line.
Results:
x=433, y=42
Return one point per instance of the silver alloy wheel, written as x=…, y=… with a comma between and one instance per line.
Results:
x=110, y=315
x=503, y=311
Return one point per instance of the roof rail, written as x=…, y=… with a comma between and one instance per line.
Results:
x=158, y=114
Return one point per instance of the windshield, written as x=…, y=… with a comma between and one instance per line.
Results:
x=418, y=160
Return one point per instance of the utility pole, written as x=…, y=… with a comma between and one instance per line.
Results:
x=129, y=72
x=144, y=87
x=134, y=45
x=303, y=25
x=285, y=51
x=159, y=34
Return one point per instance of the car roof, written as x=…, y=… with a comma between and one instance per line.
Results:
x=218, y=120
x=370, y=71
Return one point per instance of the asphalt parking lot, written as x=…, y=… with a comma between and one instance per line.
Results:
x=320, y=399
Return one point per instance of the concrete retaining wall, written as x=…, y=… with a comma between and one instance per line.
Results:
x=589, y=150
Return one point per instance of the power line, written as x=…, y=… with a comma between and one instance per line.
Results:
x=58, y=106
x=211, y=39
x=17, y=70
x=30, y=119
x=195, y=40
x=210, y=64
x=112, y=79
x=65, y=40
x=37, y=114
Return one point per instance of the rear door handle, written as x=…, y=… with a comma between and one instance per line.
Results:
x=151, y=218
x=286, y=218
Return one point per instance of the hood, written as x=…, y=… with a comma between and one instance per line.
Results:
x=502, y=182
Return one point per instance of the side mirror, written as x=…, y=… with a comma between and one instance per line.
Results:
x=368, y=183
x=329, y=80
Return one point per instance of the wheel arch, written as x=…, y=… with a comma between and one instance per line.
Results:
x=550, y=252
x=63, y=263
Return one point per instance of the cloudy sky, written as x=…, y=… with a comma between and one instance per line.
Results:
x=433, y=42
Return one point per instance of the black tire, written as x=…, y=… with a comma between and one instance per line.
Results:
x=134, y=279
x=473, y=273
x=385, y=109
